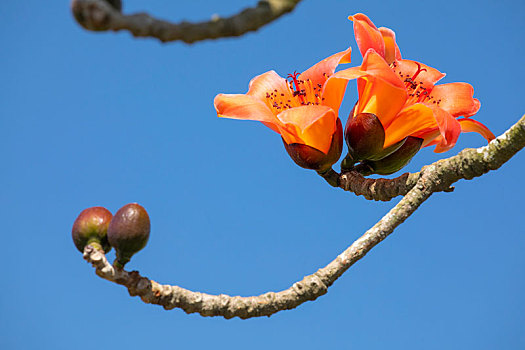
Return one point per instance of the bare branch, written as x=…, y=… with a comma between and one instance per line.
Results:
x=436, y=177
x=99, y=15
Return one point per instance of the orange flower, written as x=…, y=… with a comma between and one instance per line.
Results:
x=303, y=109
x=403, y=96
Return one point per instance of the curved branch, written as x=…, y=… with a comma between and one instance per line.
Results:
x=99, y=15
x=436, y=177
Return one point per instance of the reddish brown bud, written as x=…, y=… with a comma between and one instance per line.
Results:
x=91, y=227
x=365, y=137
x=128, y=232
x=311, y=158
x=397, y=160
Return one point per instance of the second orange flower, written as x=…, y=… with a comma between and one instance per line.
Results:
x=400, y=109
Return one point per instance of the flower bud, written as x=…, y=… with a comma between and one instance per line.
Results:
x=365, y=137
x=91, y=227
x=311, y=158
x=396, y=160
x=128, y=232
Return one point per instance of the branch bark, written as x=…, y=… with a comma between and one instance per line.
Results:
x=373, y=189
x=436, y=177
x=99, y=15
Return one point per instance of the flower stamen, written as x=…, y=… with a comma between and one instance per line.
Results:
x=417, y=92
x=298, y=93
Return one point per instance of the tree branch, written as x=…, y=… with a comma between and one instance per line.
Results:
x=436, y=177
x=99, y=15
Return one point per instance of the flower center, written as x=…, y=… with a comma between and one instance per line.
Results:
x=297, y=93
x=417, y=91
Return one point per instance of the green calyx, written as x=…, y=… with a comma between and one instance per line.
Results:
x=395, y=161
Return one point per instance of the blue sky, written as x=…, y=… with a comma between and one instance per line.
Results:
x=105, y=119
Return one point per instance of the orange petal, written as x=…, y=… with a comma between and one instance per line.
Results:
x=309, y=125
x=471, y=125
x=380, y=98
x=265, y=83
x=409, y=122
x=333, y=93
x=320, y=72
x=346, y=75
x=244, y=107
x=333, y=89
x=430, y=137
x=375, y=66
x=381, y=92
x=367, y=35
x=439, y=142
x=428, y=75
x=456, y=98
x=350, y=73
x=432, y=124
x=392, y=52
x=466, y=125
x=444, y=134
x=449, y=129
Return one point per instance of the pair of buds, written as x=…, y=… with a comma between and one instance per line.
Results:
x=127, y=231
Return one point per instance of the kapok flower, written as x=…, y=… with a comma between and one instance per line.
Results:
x=400, y=104
x=303, y=109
